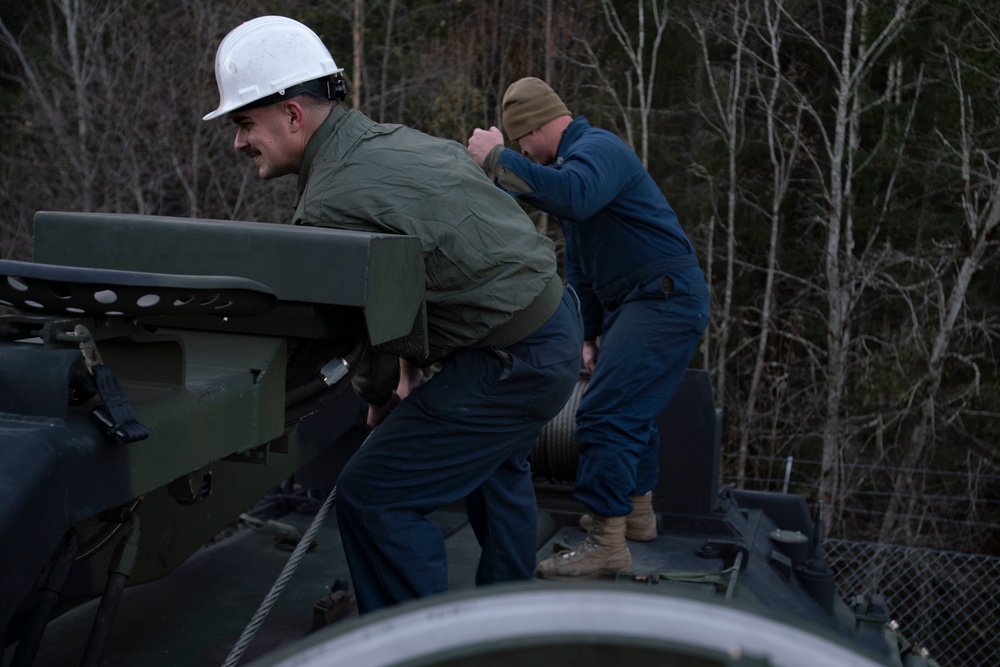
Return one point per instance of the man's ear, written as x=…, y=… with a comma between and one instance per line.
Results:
x=294, y=115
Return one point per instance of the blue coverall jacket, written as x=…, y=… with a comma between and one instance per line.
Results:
x=642, y=293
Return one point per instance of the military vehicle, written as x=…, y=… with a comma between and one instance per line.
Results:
x=159, y=375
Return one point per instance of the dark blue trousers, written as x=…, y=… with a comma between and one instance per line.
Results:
x=647, y=343
x=464, y=434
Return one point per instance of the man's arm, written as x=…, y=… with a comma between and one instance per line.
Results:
x=485, y=147
x=578, y=185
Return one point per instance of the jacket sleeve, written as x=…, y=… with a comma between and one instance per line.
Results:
x=579, y=185
x=501, y=175
x=586, y=181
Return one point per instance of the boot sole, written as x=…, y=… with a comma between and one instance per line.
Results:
x=636, y=538
x=602, y=574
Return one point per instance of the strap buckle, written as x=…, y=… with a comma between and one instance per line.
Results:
x=116, y=417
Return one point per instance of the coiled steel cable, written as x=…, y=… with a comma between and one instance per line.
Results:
x=555, y=455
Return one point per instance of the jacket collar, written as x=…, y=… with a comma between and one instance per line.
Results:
x=572, y=132
x=319, y=137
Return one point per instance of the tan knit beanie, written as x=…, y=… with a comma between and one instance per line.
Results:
x=528, y=104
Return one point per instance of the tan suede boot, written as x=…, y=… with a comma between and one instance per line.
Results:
x=601, y=555
x=640, y=525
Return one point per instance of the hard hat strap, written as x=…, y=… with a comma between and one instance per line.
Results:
x=325, y=88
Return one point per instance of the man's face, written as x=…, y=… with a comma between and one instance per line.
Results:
x=263, y=135
x=536, y=147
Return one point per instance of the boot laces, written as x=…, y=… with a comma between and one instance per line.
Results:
x=587, y=545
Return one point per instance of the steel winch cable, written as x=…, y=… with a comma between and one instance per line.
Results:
x=279, y=585
x=334, y=377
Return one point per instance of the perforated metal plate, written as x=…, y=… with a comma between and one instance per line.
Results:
x=45, y=288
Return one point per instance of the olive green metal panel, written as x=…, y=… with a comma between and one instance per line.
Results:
x=209, y=387
x=233, y=400
x=383, y=274
x=202, y=396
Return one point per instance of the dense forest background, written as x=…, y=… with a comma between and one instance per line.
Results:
x=837, y=163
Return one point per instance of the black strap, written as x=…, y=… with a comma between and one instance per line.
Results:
x=116, y=416
x=82, y=388
x=324, y=88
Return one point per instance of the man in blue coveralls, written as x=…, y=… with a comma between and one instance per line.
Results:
x=499, y=320
x=643, y=296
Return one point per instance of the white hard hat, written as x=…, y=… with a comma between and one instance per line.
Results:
x=267, y=56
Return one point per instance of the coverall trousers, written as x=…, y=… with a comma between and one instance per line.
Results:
x=647, y=344
x=464, y=434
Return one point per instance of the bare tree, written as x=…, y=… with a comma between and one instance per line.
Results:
x=387, y=50
x=358, y=59
x=642, y=66
x=116, y=120
x=978, y=163
x=763, y=90
x=835, y=157
x=727, y=87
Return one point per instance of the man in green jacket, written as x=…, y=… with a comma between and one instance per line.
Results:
x=506, y=331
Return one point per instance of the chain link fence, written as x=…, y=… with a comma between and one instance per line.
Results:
x=944, y=601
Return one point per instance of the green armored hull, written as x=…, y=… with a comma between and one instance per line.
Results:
x=161, y=368
x=163, y=374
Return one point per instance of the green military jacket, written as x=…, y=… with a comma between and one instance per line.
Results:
x=484, y=260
